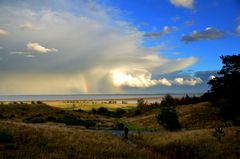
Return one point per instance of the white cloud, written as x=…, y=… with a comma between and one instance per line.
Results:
x=183, y=3
x=164, y=82
x=165, y=30
x=142, y=80
x=91, y=45
x=211, y=77
x=191, y=82
x=25, y=26
x=30, y=56
x=1, y=47
x=38, y=48
x=19, y=53
x=3, y=32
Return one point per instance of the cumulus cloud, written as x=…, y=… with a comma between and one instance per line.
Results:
x=142, y=80
x=91, y=46
x=183, y=3
x=207, y=34
x=38, y=48
x=191, y=82
x=165, y=30
x=3, y=32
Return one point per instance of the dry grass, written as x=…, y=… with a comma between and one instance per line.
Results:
x=193, y=144
x=201, y=115
x=21, y=112
x=43, y=141
x=194, y=116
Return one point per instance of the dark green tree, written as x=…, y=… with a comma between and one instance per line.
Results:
x=168, y=118
x=224, y=91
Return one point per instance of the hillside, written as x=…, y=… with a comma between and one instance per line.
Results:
x=52, y=141
x=194, y=116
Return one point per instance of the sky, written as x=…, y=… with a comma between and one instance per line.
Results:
x=114, y=46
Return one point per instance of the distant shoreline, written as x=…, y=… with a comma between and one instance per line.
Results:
x=89, y=97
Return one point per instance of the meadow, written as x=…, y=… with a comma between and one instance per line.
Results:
x=38, y=130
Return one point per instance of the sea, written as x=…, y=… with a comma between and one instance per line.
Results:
x=89, y=97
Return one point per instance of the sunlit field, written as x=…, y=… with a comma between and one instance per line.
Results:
x=201, y=143
x=88, y=105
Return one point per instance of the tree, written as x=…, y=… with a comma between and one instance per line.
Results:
x=168, y=115
x=168, y=100
x=168, y=118
x=224, y=90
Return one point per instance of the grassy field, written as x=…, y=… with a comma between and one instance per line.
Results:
x=195, y=116
x=199, y=143
x=41, y=113
x=38, y=130
x=43, y=141
x=89, y=105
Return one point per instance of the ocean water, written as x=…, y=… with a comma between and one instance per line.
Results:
x=86, y=97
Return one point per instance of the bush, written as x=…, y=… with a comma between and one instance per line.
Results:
x=10, y=146
x=70, y=121
x=140, y=102
x=168, y=118
x=1, y=116
x=120, y=112
x=35, y=119
x=75, y=121
x=89, y=123
x=5, y=136
x=119, y=126
x=102, y=110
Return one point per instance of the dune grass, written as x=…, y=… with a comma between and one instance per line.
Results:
x=194, y=116
x=192, y=144
x=42, y=113
x=51, y=141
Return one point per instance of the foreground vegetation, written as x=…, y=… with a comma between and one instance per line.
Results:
x=203, y=143
x=52, y=141
x=40, y=131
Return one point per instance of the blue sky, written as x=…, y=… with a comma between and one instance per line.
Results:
x=153, y=15
x=114, y=46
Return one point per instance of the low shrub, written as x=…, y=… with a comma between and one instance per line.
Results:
x=39, y=118
x=10, y=146
x=5, y=136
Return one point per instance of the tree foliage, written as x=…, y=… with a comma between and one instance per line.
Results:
x=168, y=115
x=224, y=90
